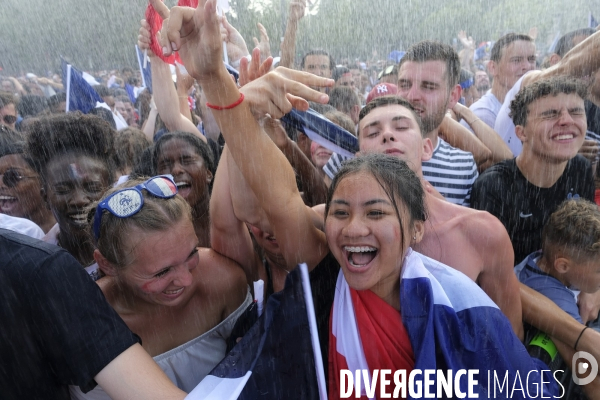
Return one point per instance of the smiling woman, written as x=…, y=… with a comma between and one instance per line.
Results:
x=189, y=160
x=181, y=299
x=73, y=154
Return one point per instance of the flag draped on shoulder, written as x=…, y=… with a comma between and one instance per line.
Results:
x=319, y=129
x=453, y=324
x=275, y=358
x=81, y=96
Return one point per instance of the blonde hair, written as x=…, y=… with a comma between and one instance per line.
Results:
x=156, y=214
x=573, y=231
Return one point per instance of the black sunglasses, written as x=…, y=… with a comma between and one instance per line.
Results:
x=12, y=177
x=9, y=119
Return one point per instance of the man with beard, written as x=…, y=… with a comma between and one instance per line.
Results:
x=428, y=77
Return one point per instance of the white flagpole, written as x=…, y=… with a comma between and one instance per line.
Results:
x=314, y=334
x=137, y=53
x=68, y=86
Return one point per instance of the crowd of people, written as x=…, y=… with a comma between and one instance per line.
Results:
x=464, y=228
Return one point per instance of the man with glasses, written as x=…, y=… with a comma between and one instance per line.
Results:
x=8, y=110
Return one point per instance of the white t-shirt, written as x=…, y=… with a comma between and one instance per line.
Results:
x=504, y=124
x=21, y=225
x=486, y=109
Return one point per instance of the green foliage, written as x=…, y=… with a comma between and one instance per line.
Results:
x=101, y=34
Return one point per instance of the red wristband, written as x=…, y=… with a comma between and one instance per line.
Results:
x=229, y=107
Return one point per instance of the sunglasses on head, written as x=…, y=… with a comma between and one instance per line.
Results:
x=9, y=119
x=128, y=201
x=12, y=177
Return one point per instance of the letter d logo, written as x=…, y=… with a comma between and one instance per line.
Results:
x=583, y=367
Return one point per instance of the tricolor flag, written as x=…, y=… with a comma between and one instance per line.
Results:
x=276, y=358
x=452, y=325
x=319, y=129
x=145, y=72
x=81, y=96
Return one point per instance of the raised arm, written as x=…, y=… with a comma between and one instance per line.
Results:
x=165, y=94
x=195, y=33
x=458, y=136
x=315, y=190
x=581, y=61
x=490, y=139
x=228, y=235
x=288, y=46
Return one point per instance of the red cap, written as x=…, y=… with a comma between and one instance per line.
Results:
x=382, y=89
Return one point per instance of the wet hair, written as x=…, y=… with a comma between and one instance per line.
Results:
x=394, y=176
x=565, y=43
x=341, y=120
x=145, y=165
x=8, y=137
x=573, y=231
x=429, y=50
x=519, y=107
x=318, y=52
x=503, y=43
x=55, y=100
x=32, y=105
x=338, y=72
x=124, y=99
x=60, y=134
x=130, y=143
x=198, y=144
x=7, y=98
x=104, y=114
x=390, y=100
x=15, y=147
x=343, y=98
x=156, y=215
x=102, y=90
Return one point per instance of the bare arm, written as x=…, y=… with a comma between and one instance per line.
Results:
x=498, y=278
x=581, y=61
x=458, y=136
x=544, y=314
x=135, y=375
x=184, y=84
x=195, y=33
x=150, y=122
x=315, y=190
x=228, y=235
x=490, y=139
x=288, y=46
x=165, y=94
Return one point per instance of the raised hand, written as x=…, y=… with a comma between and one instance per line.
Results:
x=144, y=37
x=297, y=9
x=236, y=45
x=263, y=45
x=196, y=36
x=282, y=89
x=469, y=43
x=251, y=70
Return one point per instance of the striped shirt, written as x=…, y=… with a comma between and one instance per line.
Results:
x=452, y=172
x=333, y=165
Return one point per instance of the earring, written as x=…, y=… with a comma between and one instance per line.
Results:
x=414, y=238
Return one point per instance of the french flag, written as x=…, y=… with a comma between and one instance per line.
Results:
x=452, y=325
x=81, y=96
x=319, y=129
x=276, y=358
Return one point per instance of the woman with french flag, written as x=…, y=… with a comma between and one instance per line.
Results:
x=394, y=310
